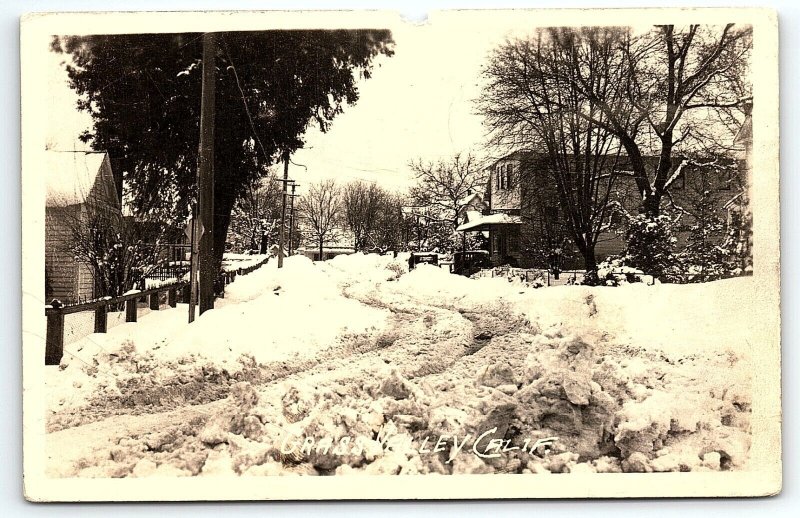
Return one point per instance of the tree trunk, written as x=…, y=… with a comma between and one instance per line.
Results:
x=590, y=263
x=589, y=259
x=652, y=205
x=321, y=240
x=224, y=201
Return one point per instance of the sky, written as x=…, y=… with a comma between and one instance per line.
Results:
x=417, y=104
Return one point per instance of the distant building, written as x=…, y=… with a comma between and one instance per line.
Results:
x=328, y=252
x=79, y=184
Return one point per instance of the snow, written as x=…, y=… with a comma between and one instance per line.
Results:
x=467, y=199
x=360, y=351
x=499, y=218
x=150, y=283
x=277, y=307
x=232, y=262
x=71, y=176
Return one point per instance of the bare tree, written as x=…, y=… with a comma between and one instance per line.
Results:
x=363, y=203
x=669, y=91
x=255, y=214
x=119, y=251
x=528, y=98
x=442, y=185
x=692, y=75
x=321, y=207
x=388, y=232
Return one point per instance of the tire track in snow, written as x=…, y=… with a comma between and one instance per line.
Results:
x=422, y=339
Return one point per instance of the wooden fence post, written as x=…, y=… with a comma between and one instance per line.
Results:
x=154, y=301
x=54, y=346
x=130, y=310
x=172, y=297
x=101, y=319
x=220, y=286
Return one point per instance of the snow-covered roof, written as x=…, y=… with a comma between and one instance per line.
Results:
x=328, y=249
x=71, y=176
x=473, y=215
x=467, y=199
x=492, y=219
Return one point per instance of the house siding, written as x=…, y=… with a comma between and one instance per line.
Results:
x=67, y=278
x=61, y=272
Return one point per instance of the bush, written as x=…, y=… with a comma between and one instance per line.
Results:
x=613, y=271
x=650, y=246
x=702, y=261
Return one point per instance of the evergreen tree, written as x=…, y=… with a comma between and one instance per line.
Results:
x=143, y=93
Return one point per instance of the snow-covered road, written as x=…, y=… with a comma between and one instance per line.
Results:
x=356, y=365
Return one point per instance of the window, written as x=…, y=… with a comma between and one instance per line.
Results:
x=497, y=177
x=501, y=174
x=509, y=173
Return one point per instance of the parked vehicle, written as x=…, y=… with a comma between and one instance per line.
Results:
x=469, y=262
x=422, y=257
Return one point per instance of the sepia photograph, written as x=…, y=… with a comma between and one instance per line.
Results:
x=267, y=254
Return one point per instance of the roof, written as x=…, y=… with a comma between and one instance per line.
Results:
x=71, y=175
x=467, y=199
x=473, y=215
x=519, y=154
x=484, y=222
x=328, y=249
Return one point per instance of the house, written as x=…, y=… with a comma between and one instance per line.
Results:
x=338, y=241
x=526, y=228
x=471, y=207
x=328, y=252
x=80, y=186
x=430, y=227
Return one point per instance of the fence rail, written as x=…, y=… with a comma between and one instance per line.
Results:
x=179, y=291
x=533, y=276
x=168, y=271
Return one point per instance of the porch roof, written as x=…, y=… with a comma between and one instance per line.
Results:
x=489, y=221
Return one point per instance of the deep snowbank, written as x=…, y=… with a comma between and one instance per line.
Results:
x=269, y=316
x=274, y=314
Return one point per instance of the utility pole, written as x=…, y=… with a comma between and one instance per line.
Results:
x=205, y=180
x=291, y=219
x=282, y=230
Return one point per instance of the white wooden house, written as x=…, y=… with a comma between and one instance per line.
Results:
x=79, y=183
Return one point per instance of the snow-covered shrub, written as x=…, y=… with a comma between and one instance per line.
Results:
x=650, y=245
x=397, y=269
x=613, y=271
x=538, y=281
x=710, y=253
